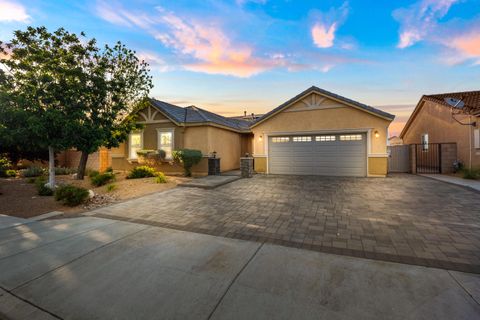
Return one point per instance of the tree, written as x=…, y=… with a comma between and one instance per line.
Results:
x=116, y=83
x=40, y=83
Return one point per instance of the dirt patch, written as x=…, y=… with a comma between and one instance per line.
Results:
x=19, y=198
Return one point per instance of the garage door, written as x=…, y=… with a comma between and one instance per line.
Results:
x=322, y=154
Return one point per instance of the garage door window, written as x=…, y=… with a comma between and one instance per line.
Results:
x=351, y=137
x=280, y=139
x=302, y=139
x=325, y=138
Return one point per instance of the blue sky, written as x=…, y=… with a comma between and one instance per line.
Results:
x=230, y=56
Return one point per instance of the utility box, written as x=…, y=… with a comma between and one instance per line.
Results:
x=213, y=166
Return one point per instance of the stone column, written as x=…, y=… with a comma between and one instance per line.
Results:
x=246, y=167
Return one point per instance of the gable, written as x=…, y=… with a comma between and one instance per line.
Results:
x=150, y=115
x=312, y=102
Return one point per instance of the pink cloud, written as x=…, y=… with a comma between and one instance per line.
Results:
x=463, y=47
x=418, y=20
x=13, y=11
x=154, y=61
x=323, y=36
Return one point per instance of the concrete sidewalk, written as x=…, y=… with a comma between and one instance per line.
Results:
x=472, y=184
x=88, y=267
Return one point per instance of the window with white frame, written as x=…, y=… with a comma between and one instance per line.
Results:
x=425, y=142
x=325, y=138
x=135, y=143
x=280, y=139
x=165, y=141
x=351, y=137
x=302, y=139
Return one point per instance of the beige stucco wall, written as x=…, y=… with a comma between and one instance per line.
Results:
x=329, y=116
x=436, y=120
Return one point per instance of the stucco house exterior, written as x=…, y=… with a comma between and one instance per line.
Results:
x=315, y=133
x=436, y=121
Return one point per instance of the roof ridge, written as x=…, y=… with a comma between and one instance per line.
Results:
x=447, y=93
x=198, y=110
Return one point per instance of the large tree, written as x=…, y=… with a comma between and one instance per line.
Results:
x=117, y=83
x=72, y=93
x=40, y=84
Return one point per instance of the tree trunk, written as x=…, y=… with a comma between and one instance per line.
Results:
x=82, y=165
x=51, y=168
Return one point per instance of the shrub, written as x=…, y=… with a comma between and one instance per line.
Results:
x=160, y=177
x=42, y=189
x=91, y=173
x=71, y=195
x=5, y=165
x=141, y=172
x=60, y=171
x=109, y=169
x=162, y=154
x=10, y=173
x=111, y=187
x=188, y=158
x=33, y=171
x=31, y=180
x=102, y=178
x=473, y=174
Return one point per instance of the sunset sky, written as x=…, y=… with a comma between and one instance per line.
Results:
x=230, y=56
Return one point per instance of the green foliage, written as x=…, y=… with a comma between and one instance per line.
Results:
x=109, y=169
x=102, y=178
x=31, y=180
x=141, y=172
x=60, y=171
x=111, y=187
x=33, y=171
x=42, y=189
x=160, y=177
x=188, y=158
x=92, y=173
x=473, y=173
x=10, y=173
x=71, y=195
x=145, y=153
x=5, y=165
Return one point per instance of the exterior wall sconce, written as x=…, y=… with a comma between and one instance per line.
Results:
x=260, y=138
x=376, y=134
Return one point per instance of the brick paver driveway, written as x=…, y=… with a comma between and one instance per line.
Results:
x=401, y=218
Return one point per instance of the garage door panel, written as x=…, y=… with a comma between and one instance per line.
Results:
x=334, y=158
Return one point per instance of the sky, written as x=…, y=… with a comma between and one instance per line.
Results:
x=253, y=55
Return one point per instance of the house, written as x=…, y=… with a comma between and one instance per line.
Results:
x=394, y=141
x=447, y=118
x=314, y=133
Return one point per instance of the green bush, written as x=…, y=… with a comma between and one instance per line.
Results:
x=141, y=172
x=109, y=169
x=5, y=165
x=187, y=158
x=71, y=195
x=33, y=171
x=10, y=173
x=60, y=171
x=473, y=173
x=91, y=173
x=160, y=177
x=111, y=187
x=42, y=189
x=102, y=178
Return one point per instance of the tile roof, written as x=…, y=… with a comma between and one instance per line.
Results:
x=330, y=94
x=197, y=115
x=470, y=98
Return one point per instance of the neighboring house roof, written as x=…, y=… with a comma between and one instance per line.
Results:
x=195, y=115
x=471, y=99
x=329, y=94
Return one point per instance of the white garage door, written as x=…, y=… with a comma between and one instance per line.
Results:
x=341, y=154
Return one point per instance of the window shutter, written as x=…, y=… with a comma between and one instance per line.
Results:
x=476, y=138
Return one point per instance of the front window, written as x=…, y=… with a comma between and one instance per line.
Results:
x=135, y=144
x=165, y=142
x=425, y=142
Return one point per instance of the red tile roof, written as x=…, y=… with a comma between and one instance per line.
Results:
x=470, y=98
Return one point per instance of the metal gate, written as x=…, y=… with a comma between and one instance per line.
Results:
x=399, y=158
x=428, y=157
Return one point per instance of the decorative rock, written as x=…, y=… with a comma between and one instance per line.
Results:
x=91, y=194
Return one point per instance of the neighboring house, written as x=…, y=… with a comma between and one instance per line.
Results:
x=436, y=121
x=394, y=141
x=315, y=133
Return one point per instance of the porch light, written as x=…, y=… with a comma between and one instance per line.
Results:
x=260, y=138
x=376, y=134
